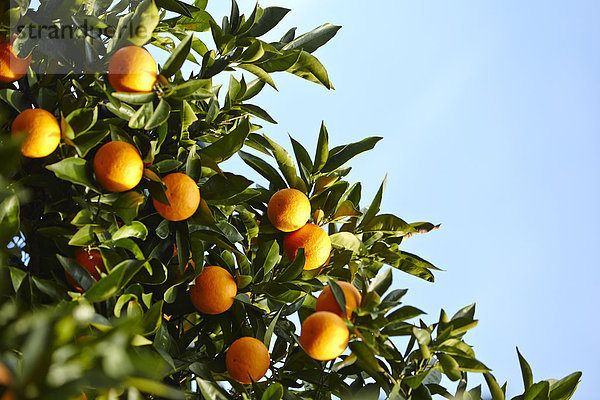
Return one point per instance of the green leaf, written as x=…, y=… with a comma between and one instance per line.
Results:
x=382, y=282
x=229, y=144
x=14, y=98
x=152, y=318
x=450, y=367
x=194, y=89
x=76, y=170
x=322, y=152
x=338, y=294
x=134, y=98
x=467, y=312
x=141, y=117
x=138, y=29
x=564, y=389
x=82, y=119
x=211, y=390
x=470, y=365
x=367, y=357
x=388, y=223
x=136, y=230
x=310, y=68
x=159, y=116
x=294, y=269
x=86, y=141
x=346, y=241
x=155, y=387
x=314, y=39
x=374, y=207
x=525, y=371
x=264, y=169
x=9, y=218
x=260, y=74
x=305, y=164
x=177, y=58
x=83, y=237
x=403, y=313
x=273, y=392
x=340, y=155
x=177, y=6
x=285, y=163
x=271, y=328
x=257, y=112
x=270, y=18
x=495, y=390
x=114, y=282
x=538, y=391
x=77, y=272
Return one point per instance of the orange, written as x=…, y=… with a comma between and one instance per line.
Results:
x=40, y=130
x=118, y=166
x=324, y=336
x=6, y=379
x=12, y=68
x=326, y=301
x=184, y=196
x=92, y=261
x=132, y=69
x=213, y=291
x=247, y=360
x=314, y=240
x=288, y=210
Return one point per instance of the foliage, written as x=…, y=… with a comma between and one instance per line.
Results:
x=134, y=333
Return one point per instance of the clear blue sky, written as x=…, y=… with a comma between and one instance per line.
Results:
x=490, y=114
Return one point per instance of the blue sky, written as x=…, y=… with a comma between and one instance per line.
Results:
x=489, y=112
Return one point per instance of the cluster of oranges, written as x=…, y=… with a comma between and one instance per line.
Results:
x=118, y=167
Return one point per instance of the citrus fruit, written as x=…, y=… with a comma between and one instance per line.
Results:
x=6, y=379
x=213, y=291
x=247, y=360
x=315, y=242
x=324, y=336
x=132, y=69
x=40, y=131
x=91, y=261
x=12, y=68
x=288, y=210
x=118, y=166
x=183, y=195
x=326, y=301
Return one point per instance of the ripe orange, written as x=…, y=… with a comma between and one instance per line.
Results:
x=91, y=261
x=118, y=166
x=326, y=300
x=12, y=68
x=132, y=69
x=314, y=240
x=324, y=336
x=213, y=291
x=288, y=210
x=6, y=379
x=184, y=196
x=247, y=360
x=40, y=130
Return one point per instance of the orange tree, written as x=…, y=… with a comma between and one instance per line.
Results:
x=133, y=265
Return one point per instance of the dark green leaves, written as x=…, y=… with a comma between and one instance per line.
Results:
x=228, y=145
x=340, y=155
x=176, y=59
x=322, y=152
x=314, y=39
x=271, y=16
x=76, y=170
